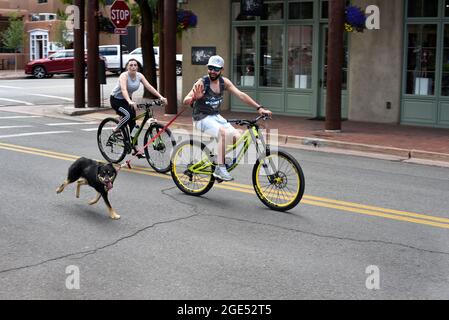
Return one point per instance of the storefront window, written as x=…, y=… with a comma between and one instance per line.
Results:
x=421, y=52
x=446, y=8
x=300, y=9
x=236, y=14
x=273, y=10
x=422, y=8
x=270, y=56
x=300, y=57
x=445, y=66
x=244, y=56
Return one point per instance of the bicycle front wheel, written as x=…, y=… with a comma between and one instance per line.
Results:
x=111, y=144
x=191, y=168
x=278, y=181
x=159, y=152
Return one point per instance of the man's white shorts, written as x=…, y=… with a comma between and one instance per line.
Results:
x=211, y=125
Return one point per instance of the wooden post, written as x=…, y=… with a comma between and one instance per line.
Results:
x=169, y=52
x=78, y=46
x=93, y=81
x=334, y=65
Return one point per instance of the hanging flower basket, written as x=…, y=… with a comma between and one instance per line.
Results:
x=185, y=19
x=354, y=19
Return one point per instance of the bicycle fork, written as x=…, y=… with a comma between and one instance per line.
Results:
x=263, y=154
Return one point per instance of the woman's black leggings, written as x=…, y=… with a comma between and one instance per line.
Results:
x=123, y=109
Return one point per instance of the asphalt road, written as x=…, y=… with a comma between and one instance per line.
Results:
x=365, y=229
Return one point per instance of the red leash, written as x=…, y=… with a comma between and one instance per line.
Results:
x=127, y=163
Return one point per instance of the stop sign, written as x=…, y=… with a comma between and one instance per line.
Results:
x=120, y=14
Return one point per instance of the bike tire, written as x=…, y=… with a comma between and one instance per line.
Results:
x=188, y=182
x=288, y=170
x=112, y=150
x=158, y=153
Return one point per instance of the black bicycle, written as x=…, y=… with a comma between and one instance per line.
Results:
x=114, y=144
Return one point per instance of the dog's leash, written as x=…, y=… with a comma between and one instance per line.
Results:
x=139, y=152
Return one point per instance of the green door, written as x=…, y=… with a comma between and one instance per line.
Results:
x=323, y=75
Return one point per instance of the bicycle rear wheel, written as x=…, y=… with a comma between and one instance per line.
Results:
x=278, y=181
x=111, y=144
x=159, y=152
x=191, y=168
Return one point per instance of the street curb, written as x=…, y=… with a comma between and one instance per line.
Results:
x=403, y=153
x=72, y=111
x=427, y=155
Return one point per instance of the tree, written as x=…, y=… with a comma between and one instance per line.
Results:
x=14, y=36
x=147, y=17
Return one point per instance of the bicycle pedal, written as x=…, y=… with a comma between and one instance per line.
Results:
x=218, y=180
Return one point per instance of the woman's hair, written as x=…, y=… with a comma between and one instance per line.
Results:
x=132, y=59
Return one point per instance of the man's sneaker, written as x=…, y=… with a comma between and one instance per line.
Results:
x=222, y=174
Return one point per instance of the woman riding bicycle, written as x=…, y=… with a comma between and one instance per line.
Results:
x=121, y=95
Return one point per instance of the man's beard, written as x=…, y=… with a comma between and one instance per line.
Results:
x=215, y=77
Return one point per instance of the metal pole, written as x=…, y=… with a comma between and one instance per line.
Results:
x=169, y=59
x=121, y=53
x=93, y=83
x=334, y=65
x=78, y=46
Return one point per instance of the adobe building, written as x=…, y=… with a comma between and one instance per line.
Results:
x=397, y=74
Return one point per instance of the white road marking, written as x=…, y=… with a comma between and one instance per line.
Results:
x=91, y=129
x=19, y=117
x=48, y=96
x=32, y=134
x=70, y=123
x=12, y=127
x=11, y=87
x=18, y=101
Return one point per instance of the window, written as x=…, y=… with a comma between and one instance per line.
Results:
x=445, y=66
x=422, y=8
x=421, y=51
x=41, y=1
x=300, y=10
x=273, y=10
x=236, y=15
x=271, y=56
x=244, y=56
x=300, y=57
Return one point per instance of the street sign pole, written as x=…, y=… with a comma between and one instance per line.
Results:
x=120, y=17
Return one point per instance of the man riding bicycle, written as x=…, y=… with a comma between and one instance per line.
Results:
x=206, y=97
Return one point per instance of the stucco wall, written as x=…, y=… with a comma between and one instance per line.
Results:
x=375, y=69
x=213, y=21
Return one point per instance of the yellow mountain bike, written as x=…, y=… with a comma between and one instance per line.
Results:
x=277, y=177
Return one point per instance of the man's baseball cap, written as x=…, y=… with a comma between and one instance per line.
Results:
x=216, y=61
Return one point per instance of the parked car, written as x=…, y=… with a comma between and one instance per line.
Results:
x=112, y=54
x=60, y=62
x=137, y=54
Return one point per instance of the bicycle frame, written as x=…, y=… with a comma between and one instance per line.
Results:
x=251, y=134
x=148, y=114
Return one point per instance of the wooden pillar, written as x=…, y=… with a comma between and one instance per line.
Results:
x=93, y=82
x=169, y=53
x=78, y=46
x=334, y=65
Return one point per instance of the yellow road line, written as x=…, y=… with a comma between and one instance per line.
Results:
x=307, y=199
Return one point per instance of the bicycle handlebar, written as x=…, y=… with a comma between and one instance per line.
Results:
x=146, y=105
x=245, y=122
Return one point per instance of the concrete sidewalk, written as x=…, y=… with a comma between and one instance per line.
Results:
x=386, y=141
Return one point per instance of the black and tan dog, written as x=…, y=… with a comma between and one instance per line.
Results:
x=97, y=175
